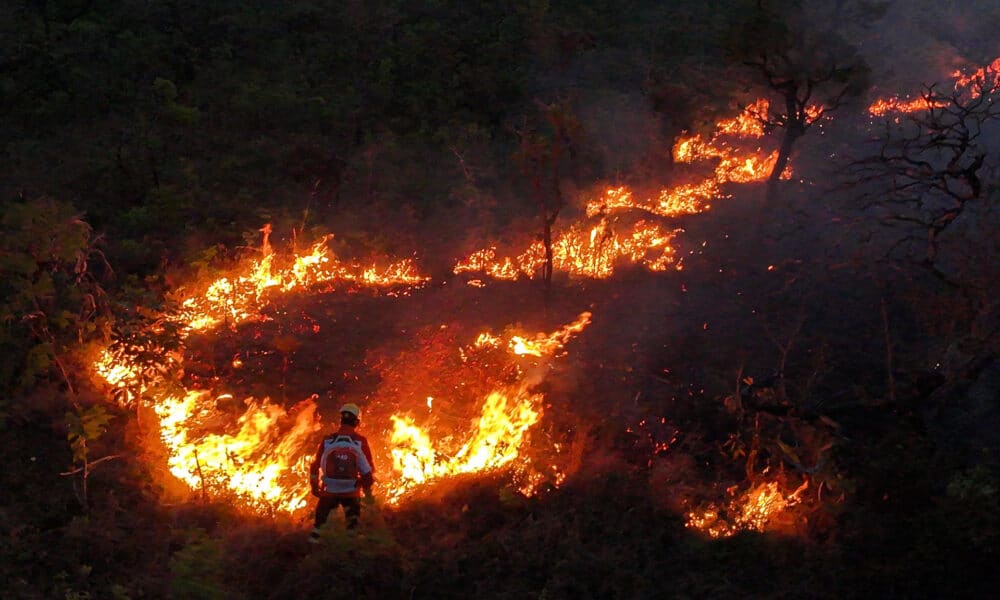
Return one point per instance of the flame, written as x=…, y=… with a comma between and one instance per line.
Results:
x=754, y=510
x=256, y=461
x=747, y=169
x=237, y=298
x=260, y=452
x=502, y=425
x=988, y=76
x=749, y=123
x=496, y=437
x=884, y=106
x=117, y=370
x=984, y=77
x=594, y=250
x=548, y=345
x=262, y=455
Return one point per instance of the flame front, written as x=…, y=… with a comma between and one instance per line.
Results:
x=593, y=250
x=260, y=456
x=240, y=297
x=257, y=461
x=498, y=434
x=971, y=84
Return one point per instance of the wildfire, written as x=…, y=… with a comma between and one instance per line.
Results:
x=548, y=345
x=884, y=106
x=988, y=77
x=505, y=419
x=593, y=250
x=497, y=435
x=262, y=455
x=240, y=297
x=751, y=511
x=258, y=462
x=681, y=200
x=749, y=123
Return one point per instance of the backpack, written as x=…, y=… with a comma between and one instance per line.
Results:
x=340, y=459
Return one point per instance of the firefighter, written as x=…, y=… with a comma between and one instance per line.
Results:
x=343, y=467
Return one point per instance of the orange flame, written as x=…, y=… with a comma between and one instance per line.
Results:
x=988, y=77
x=752, y=511
x=495, y=442
x=496, y=437
x=582, y=252
x=240, y=297
x=257, y=461
x=548, y=345
x=262, y=457
x=884, y=106
x=594, y=250
x=748, y=123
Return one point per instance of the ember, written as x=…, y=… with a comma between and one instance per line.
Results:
x=753, y=510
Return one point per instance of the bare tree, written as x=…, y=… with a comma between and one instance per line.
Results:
x=543, y=152
x=800, y=58
x=929, y=165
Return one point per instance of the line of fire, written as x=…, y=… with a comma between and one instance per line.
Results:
x=474, y=394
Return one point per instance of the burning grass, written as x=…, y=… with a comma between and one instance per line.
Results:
x=257, y=450
x=609, y=235
x=964, y=84
x=448, y=401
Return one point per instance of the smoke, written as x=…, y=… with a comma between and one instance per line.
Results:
x=920, y=42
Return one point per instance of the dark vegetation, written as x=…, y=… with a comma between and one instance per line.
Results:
x=849, y=333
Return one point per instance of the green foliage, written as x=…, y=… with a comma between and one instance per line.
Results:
x=50, y=296
x=197, y=571
x=85, y=425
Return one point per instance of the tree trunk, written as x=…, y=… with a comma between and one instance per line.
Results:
x=794, y=129
x=784, y=153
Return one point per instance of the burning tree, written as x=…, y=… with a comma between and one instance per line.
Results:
x=812, y=69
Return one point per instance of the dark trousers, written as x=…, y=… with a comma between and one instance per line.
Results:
x=352, y=510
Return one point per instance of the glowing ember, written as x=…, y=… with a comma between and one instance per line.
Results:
x=586, y=253
x=752, y=511
x=884, y=106
x=749, y=123
x=988, y=76
x=747, y=169
x=681, y=200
